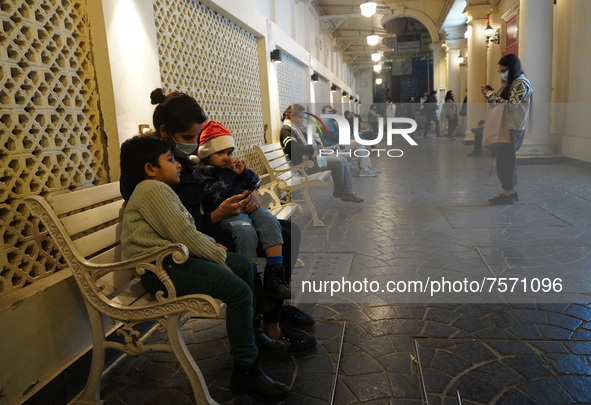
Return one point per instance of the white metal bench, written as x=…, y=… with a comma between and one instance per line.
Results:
x=86, y=226
x=290, y=178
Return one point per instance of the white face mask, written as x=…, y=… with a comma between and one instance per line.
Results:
x=505, y=75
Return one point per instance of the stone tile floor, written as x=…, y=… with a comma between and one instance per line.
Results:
x=425, y=217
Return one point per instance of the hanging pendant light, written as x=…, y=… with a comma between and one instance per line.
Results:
x=368, y=8
x=373, y=39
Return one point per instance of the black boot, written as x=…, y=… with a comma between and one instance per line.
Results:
x=275, y=285
x=252, y=381
x=265, y=344
x=263, y=303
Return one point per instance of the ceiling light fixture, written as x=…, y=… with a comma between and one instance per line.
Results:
x=373, y=39
x=368, y=8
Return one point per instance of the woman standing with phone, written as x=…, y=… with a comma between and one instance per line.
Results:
x=516, y=92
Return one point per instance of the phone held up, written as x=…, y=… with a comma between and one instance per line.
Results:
x=251, y=189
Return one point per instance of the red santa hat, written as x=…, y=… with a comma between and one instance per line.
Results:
x=214, y=137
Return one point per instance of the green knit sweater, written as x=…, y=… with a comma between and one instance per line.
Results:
x=154, y=217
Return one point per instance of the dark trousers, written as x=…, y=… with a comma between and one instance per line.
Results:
x=235, y=288
x=428, y=124
x=507, y=161
x=292, y=236
x=452, y=123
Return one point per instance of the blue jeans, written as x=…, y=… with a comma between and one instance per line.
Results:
x=341, y=174
x=248, y=229
x=235, y=288
x=507, y=161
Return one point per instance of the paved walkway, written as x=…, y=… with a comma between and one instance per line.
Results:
x=425, y=220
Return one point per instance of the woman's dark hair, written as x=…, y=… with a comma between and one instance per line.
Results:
x=513, y=64
x=139, y=150
x=449, y=95
x=176, y=111
x=292, y=109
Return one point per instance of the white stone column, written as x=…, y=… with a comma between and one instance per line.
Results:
x=453, y=67
x=535, y=52
x=439, y=68
x=476, y=65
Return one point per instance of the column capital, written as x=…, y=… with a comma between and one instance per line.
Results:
x=477, y=12
x=455, y=43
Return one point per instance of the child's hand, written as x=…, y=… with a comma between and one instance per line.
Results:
x=222, y=246
x=239, y=166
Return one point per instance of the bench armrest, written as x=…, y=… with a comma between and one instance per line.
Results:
x=301, y=168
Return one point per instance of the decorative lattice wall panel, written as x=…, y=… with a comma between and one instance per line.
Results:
x=50, y=131
x=293, y=81
x=322, y=93
x=212, y=59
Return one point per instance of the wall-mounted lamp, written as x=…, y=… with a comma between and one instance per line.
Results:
x=143, y=129
x=377, y=68
x=379, y=80
x=314, y=77
x=276, y=56
x=333, y=88
x=368, y=8
x=491, y=34
x=376, y=56
x=462, y=61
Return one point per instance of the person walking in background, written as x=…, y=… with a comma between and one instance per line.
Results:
x=390, y=108
x=516, y=92
x=430, y=111
x=372, y=118
x=450, y=110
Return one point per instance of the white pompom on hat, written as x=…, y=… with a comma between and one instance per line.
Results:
x=214, y=137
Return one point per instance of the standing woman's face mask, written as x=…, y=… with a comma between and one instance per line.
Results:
x=186, y=141
x=504, y=72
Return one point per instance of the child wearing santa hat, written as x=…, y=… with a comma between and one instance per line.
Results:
x=221, y=177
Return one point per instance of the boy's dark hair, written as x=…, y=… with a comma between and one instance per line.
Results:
x=139, y=150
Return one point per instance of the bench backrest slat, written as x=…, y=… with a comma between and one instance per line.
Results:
x=80, y=199
x=94, y=217
x=97, y=241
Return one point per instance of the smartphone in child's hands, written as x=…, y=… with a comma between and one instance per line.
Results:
x=251, y=189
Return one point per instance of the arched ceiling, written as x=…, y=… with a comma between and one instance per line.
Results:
x=395, y=22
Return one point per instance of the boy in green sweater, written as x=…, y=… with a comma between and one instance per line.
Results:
x=155, y=217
